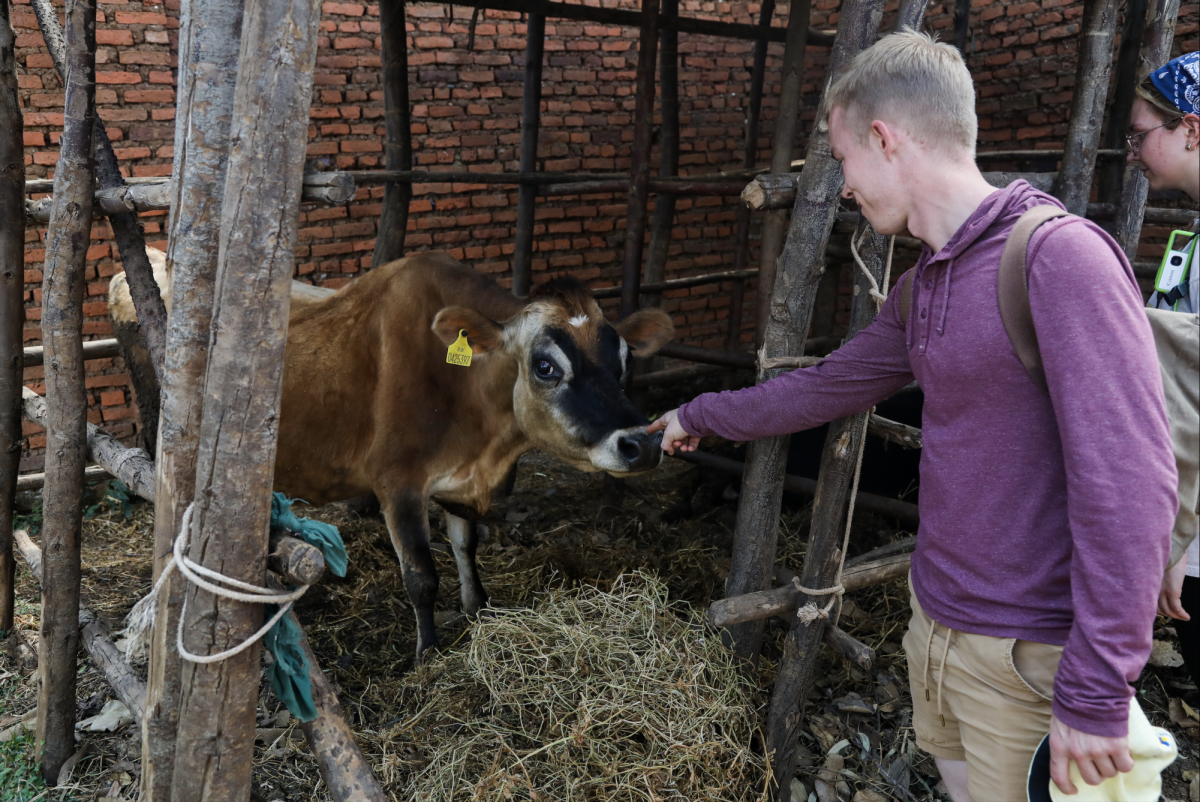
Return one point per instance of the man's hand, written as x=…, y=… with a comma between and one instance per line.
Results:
x=1172, y=586
x=674, y=435
x=1097, y=757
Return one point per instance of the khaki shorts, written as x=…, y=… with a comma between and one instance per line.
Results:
x=983, y=700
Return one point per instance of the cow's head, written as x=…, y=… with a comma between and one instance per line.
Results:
x=571, y=362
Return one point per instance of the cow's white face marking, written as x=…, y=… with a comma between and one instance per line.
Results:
x=578, y=321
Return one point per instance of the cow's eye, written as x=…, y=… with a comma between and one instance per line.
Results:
x=545, y=369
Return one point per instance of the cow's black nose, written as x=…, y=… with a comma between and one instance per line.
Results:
x=629, y=447
x=642, y=451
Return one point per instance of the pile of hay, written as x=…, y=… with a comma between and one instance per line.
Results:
x=588, y=696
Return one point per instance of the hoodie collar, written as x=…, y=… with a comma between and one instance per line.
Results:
x=1001, y=209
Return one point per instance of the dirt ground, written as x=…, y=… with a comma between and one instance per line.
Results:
x=559, y=528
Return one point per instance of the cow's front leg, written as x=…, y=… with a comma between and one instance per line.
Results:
x=408, y=524
x=464, y=537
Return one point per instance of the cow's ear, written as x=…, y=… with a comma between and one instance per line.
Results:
x=646, y=330
x=483, y=333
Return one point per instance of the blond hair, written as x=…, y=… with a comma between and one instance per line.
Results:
x=911, y=79
x=1164, y=109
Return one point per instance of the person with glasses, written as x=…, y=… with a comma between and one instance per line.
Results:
x=1164, y=135
x=1164, y=141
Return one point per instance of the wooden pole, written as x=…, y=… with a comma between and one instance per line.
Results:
x=639, y=167
x=632, y=19
x=531, y=113
x=1156, y=48
x=962, y=25
x=795, y=287
x=786, y=124
x=1132, y=31
x=131, y=246
x=209, y=40
x=1095, y=55
x=741, y=259
x=66, y=417
x=238, y=428
x=668, y=164
x=393, y=223
x=12, y=304
x=823, y=557
x=346, y=773
x=132, y=466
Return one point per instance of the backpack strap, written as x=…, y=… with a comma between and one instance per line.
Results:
x=1012, y=289
x=905, y=297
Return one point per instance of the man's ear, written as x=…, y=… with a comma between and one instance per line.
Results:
x=483, y=333
x=646, y=330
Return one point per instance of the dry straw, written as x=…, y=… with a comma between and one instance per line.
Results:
x=591, y=695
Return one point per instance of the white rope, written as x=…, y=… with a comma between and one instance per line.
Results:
x=141, y=617
x=809, y=613
x=878, y=296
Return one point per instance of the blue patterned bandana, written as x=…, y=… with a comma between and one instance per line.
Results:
x=1179, y=81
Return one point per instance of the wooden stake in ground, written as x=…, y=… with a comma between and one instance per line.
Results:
x=1087, y=104
x=209, y=40
x=668, y=160
x=824, y=555
x=1156, y=49
x=66, y=418
x=144, y=367
x=795, y=289
x=12, y=303
x=393, y=221
x=235, y=466
x=786, y=124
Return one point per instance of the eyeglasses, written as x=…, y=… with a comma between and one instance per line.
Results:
x=1134, y=141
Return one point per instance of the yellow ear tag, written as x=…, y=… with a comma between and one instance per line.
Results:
x=459, y=352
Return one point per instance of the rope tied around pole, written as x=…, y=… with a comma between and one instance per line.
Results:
x=809, y=613
x=141, y=618
x=790, y=362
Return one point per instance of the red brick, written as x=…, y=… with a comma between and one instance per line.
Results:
x=33, y=139
x=345, y=9
x=112, y=398
x=436, y=42
x=352, y=43
x=117, y=77
x=119, y=413
x=106, y=37
x=140, y=18
x=156, y=57
x=361, y=146
x=158, y=77
x=149, y=96
x=39, y=61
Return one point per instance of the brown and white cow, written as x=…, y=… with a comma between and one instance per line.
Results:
x=371, y=405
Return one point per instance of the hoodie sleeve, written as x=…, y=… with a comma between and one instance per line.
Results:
x=1106, y=390
x=870, y=367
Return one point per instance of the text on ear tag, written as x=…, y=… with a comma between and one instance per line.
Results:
x=459, y=352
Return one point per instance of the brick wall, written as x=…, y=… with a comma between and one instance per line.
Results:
x=466, y=116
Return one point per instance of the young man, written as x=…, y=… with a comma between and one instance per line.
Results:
x=1045, y=520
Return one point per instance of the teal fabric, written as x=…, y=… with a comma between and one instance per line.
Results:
x=324, y=536
x=289, y=673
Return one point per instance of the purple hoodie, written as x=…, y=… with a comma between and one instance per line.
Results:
x=1042, y=518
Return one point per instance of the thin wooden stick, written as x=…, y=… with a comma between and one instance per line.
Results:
x=531, y=114
x=238, y=428
x=639, y=163
x=1094, y=64
x=132, y=466
x=12, y=304
x=786, y=123
x=126, y=230
x=393, y=222
x=66, y=408
x=668, y=160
